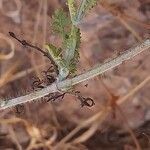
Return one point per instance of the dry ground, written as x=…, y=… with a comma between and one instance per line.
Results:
x=63, y=124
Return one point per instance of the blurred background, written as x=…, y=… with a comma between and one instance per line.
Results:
x=111, y=27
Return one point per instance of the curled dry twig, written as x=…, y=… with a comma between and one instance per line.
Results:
x=65, y=84
x=12, y=46
x=85, y=101
x=93, y=121
x=8, y=73
x=14, y=14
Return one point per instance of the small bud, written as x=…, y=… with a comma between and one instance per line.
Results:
x=12, y=34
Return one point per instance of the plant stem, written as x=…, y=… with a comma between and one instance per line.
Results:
x=71, y=10
x=29, y=97
x=62, y=85
x=101, y=68
x=80, y=11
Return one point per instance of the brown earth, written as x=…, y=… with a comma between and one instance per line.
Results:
x=108, y=29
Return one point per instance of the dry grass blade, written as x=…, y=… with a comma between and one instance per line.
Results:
x=14, y=14
x=45, y=22
x=33, y=131
x=129, y=28
x=8, y=74
x=53, y=138
x=36, y=26
x=124, y=119
x=104, y=104
x=14, y=138
x=147, y=26
x=13, y=121
x=104, y=112
x=85, y=136
x=19, y=75
x=99, y=117
x=135, y=90
x=122, y=19
x=12, y=47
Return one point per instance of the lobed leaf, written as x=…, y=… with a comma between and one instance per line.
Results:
x=53, y=51
x=72, y=10
x=60, y=22
x=85, y=6
x=72, y=45
x=89, y=5
x=57, y=57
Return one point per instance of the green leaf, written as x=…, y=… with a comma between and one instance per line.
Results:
x=72, y=45
x=72, y=10
x=53, y=51
x=85, y=6
x=60, y=22
x=66, y=27
x=89, y=4
x=56, y=54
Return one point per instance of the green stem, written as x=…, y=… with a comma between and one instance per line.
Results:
x=71, y=10
x=61, y=85
x=101, y=68
x=69, y=53
x=80, y=11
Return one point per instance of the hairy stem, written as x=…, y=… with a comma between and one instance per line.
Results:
x=72, y=10
x=29, y=97
x=65, y=84
x=80, y=11
x=101, y=68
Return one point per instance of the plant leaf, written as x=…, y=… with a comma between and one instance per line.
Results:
x=89, y=5
x=72, y=45
x=53, y=51
x=72, y=10
x=56, y=54
x=85, y=6
x=60, y=22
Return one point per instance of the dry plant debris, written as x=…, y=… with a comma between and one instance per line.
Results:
x=116, y=112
